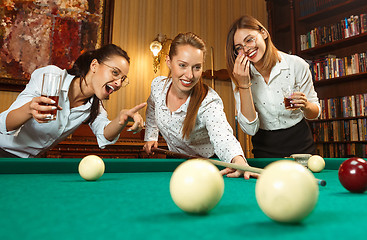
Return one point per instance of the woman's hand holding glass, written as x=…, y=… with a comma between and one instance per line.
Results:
x=294, y=98
x=38, y=105
x=299, y=100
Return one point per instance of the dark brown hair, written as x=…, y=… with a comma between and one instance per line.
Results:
x=82, y=66
x=270, y=57
x=200, y=90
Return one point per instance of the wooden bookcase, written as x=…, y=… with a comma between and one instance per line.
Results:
x=304, y=16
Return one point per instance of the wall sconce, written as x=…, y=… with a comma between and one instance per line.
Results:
x=156, y=47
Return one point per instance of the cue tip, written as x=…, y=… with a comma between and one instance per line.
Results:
x=321, y=182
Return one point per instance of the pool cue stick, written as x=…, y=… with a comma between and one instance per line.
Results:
x=215, y=162
x=236, y=123
x=321, y=182
x=212, y=65
x=219, y=163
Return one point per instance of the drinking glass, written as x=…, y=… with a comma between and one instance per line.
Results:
x=51, y=85
x=287, y=94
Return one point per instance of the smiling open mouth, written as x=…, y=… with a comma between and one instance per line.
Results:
x=109, y=89
x=252, y=54
x=185, y=82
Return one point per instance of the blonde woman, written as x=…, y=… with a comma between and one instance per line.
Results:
x=188, y=113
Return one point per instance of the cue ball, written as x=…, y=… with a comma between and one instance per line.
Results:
x=286, y=191
x=316, y=163
x=196, y=186
x=91, y=167
x=353, y=175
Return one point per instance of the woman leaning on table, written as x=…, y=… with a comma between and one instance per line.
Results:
x=25, y=131
x=188, y=113
x=259, y=72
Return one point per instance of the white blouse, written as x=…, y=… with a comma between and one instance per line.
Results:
x=34, y=138
x=268, y=98
x=211, y=135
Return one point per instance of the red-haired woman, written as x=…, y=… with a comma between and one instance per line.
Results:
x=188, y=113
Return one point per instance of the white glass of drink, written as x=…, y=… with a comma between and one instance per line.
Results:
x=51, y=86
x=287, y=93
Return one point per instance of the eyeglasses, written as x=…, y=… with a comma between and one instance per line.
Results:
x=117, y=74
x=249, y=42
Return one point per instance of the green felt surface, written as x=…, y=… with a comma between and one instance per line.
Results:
x=137, y=205
x=70, y=165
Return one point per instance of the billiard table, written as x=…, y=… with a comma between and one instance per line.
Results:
x=47, y=199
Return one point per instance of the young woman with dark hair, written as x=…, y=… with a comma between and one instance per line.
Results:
x=188, y=113
x=25, y=131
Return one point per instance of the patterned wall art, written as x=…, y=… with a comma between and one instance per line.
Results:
x=36, y=33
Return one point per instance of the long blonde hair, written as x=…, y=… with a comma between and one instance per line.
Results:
x=200, y=90
x=271, y=56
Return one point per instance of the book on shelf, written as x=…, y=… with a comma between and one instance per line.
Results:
x=337, y=150
x=330, y=66
x=345, y=28
x=344, y=107
x=343, y=135
x=363, y=22
x=353, y=130
x=362, y=129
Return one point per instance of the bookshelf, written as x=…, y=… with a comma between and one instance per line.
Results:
x=332, y=36
x=281, y=24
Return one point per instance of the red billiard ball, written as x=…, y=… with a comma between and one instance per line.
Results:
x=353, y=175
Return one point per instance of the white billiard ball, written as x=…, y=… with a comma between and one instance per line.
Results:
x=316, y=163
x=286, y=191
x=91, y=167
x=196, y=186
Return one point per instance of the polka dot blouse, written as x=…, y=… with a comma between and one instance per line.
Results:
x=211, y=135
